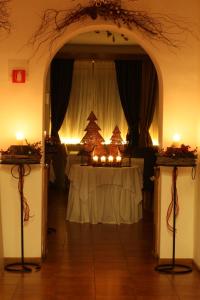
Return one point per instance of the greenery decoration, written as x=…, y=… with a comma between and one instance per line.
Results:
x=184, y=151
x=54, y=22
x=35, y=148
x=4, y=16
x=177, y=156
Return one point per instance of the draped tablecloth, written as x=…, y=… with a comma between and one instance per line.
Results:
x=105, y=194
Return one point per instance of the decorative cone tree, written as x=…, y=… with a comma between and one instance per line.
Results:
x=92, y=137
x=100, y=150
x=116, y=146
x=116, y=138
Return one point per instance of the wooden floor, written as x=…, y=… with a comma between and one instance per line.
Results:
x=98, y=262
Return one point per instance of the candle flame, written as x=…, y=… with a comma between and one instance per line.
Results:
x=176, y=137
x=19, y=136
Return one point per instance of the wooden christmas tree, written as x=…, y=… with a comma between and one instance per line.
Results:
x=116, y=138
x=116, y=147
x=100, y=150
x=114, y=150
x=92, y=137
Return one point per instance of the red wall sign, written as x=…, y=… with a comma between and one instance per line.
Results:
x=18, y=76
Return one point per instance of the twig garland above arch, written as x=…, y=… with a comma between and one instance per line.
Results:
x=4, y=16
x=54, y=22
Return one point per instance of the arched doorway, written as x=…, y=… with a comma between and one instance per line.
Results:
x=105, y=27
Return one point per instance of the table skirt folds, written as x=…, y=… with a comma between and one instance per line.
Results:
x=110, y=204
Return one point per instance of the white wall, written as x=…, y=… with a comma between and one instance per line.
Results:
x=197, y=221
x=185, y=219
x=178, y=70
x=11, y=213
x=1, y=245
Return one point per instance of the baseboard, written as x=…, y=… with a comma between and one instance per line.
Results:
x=196, y=266
x=11, y=260
x=185, y=261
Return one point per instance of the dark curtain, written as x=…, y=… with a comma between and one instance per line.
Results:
x=129, y=83
x=147, y=102
x=60, y=82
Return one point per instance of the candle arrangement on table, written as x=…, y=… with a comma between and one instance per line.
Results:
x=100, y=153
x=107, y=161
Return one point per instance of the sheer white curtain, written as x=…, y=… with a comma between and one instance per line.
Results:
x=94, y=88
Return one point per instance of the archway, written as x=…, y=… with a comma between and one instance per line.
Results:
x=138, y=39
x=131, y=35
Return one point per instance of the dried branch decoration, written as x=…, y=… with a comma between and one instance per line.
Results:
x=4, y=15
x=55, y=22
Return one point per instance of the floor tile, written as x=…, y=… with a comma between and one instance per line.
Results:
x=98, y=262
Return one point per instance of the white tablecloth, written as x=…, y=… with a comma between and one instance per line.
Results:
x=104, y=194
x=72, y=160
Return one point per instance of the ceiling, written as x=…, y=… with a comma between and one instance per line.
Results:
x=101, y=45
x=102, y=38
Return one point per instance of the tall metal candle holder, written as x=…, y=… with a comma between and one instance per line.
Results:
x=20, y=164
x=173, y=267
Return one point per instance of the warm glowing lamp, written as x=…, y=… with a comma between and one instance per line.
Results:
x=176, y=140
x=155, y=142
x=67, y=140
x=20, y=137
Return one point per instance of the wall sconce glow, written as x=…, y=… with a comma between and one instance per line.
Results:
x=155, y=142
x=20, y=137
x=176, y=140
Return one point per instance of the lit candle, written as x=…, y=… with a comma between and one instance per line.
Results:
x=176, y=140
x=103, y=159
x=110, y=158
x=118, y=158
x=95, y=158
x=20, y=137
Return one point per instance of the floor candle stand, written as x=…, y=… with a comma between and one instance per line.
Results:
x=22, y=266
x=173, y=267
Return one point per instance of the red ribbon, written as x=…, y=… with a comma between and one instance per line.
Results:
x=171, y=205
